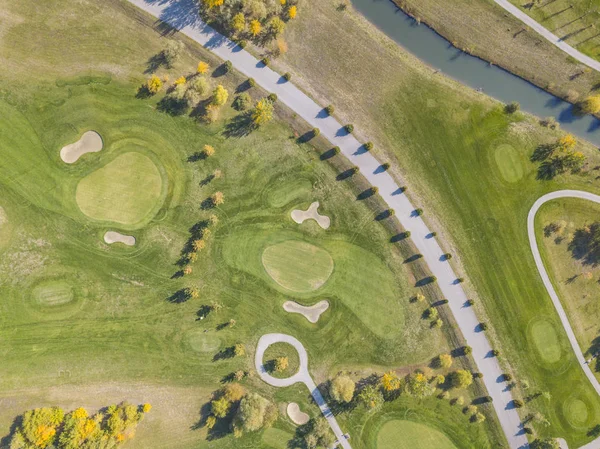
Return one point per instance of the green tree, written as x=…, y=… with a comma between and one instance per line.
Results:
x=238, y=23
x=220, y=407
x=263, y=112
x=220, y=95
x=461, y=378
x=371, y=397
x=418, y=385
x=172, y=52
x=342, y=388
x=254, y=413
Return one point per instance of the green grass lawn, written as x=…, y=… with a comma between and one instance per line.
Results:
x=83, y=323
x=467, y=162
x=399, y=434
x=576, y=283
x=282, y=350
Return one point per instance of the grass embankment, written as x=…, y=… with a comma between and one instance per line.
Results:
x=89, y=324
x=486, y=30
x=575, y=282
x=451, y=145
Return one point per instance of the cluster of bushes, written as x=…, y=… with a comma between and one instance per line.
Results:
x=51, y=427
x=242, y=411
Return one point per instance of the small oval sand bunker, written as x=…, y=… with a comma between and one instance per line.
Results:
x=126, y=190
x=311, y=313
x=296, y=415
x=90, y=142
x=311, y=214
x=298, y=266
x=116, y=237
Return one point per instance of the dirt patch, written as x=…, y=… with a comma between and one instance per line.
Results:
x=90, y=142
x=311, y=214
x=312, y=313
x=296, y=415
x=116, y=237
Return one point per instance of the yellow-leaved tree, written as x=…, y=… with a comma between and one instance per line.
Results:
x=220, y=95
x=202, y=67
x=292, y=12
x=238, y=23
x=567, y=142
x=263, y=112
x=212, y=3
x=255, y=27
x=591, y=105
x=153, y=84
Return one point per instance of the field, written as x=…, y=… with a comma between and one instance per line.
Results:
x=486, y=30
x=444, y=140
x=89, y=324
x=575, y=283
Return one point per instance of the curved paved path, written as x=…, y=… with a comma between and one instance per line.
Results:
x=182, y=14
x=302, y=376
x=548, y=35
x=548, y=284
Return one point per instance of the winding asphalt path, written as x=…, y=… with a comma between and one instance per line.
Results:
x=182, y=15
x=548, y=35
x=302, y=376
x=548, y=284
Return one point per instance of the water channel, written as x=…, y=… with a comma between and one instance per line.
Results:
x=438, y=53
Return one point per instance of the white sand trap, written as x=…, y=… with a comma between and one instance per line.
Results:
x=312, y=313
x=117, y=237
x=300, y=215
x=296, y=415
x=90, y=142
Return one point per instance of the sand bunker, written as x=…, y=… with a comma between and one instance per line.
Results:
x=312, y=313
x=117, y=237
x=90, y=142
x=299, y=216
x=296, y=415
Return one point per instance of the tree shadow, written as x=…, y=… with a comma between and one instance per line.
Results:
x=345, y=174
x=585, y=245
x=207, y=204
x=383, y=215
x=207, y=180
x=155, y=62
x=366, y=194
x=179, y=296
x=17, y=422
x=227, y=353
x=328, y=154
x=425, y=281
x=239, y=126
x=399, y=237
x=306, y=137
x=413, y=258
x=143, y=93
x=220, y=71
x=542, y=152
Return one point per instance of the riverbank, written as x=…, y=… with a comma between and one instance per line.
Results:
x=503, y=40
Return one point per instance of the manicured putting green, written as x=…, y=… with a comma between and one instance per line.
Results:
x=400, y=434
x=576, y=412
x=546, y=341
x=53, y=293
x=199, y=341
x=298, y=266
x=124, y=191
x=509, y=163
x=276, y=438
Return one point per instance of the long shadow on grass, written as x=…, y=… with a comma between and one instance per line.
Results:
x=239, y=126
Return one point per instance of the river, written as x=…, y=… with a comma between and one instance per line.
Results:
x=437, y=52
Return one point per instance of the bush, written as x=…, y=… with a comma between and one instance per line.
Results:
x=251, y=82
x=349, y=128
x=385, y=165
x=315, y=132
x=406, y=234
x=368, y=146
x=243, y=44
x=495, y=352
x=287, y=76
x=266, y=61
x=336, y=150
x=549, y=122
x=483, y=326
x=433, y=278
x=518, y=403
x=374, y=189
x=507, y=377
x=466, y=350
x=391, y=212
x=512, y=107
x=470, y=302
x=418, y=212
x=355, y=169
x=448, y=256
x=272, y=97
x=228, y=66
x=242, y=102
x=330, y=109
x=460, y=280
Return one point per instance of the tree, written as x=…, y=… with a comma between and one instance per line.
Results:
x=242, y=102
x=276, y=26
x=199, y=84
x=180, y=80
x=292, y=12
x=342, y=388
x=591, y=105
x=220, y=96
x=199, y=244
x=212, y=3
x=172, y=52
x=193, y=292
x=153, y=85
x=418, y=385
x=211, y=114
x=255, y=27
x=478, y=418
x=390, y=381
x=585, y=245
x=319, y=434
x=263, y=112
x=208, y=150
x=548, y=443
x=211, y=421
x=370, y=397
x=281, y=364
x=566, y=142
x=220, y=407
x=254, y=413
x=238, y=23
x=443, y=361
x=202, y=67
x=217, y=198
x=234, y=392
x=461, y=379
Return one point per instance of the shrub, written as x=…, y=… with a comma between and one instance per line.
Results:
x=242, y=102
x=495, y=352
x=266, y=61
x=459, y=280
x=433, y=234
x=243, y=44
x=391, y=212
x=251, y=82
x=591, y=105
x=228, y=66
x=406, y=234
x=444, y=395
x=512, y=107
x=368, y=146
x=443, y=361
x=457, y=401
x=418, y=212
x=431, y=312
x=444, y=301
x=549, y=122
x=447, y=256
x=208, y=150
x=433, y=278
x=315, y=132
x=466, y=350
x=287, y=76
x=437, y=323
x=200, y=85
x=478, y=376
x=478, y=418
x=281, y=364
x=330, y=109
x=508, y=377
x=272, y=97
x=355, y=169
x=202, y=67
x=153, y=84
x=518, y=403
x=374, y=189
x=336, y=150
x=220, y=96
x=349, y=128
x=385, y=166
x=483, y=326
x=470, y=302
